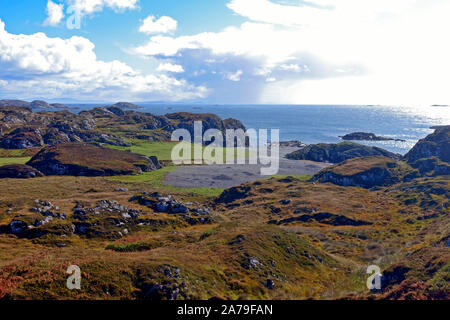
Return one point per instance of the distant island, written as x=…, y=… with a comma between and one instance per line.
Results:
x=364, y=136
x=36, y=104
x=40, y=104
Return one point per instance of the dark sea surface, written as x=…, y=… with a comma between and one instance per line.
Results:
x=315, y=124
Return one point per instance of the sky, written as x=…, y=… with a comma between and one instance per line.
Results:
x=226, y=51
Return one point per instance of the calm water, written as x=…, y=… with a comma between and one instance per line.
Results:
x=314, y=124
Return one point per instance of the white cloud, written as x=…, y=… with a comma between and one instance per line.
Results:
x=55, y=13
x=169, y=67
x=236, y=76
x=391, y=51
x=151, y=25
x=267, y=11
x=91, y=6
x=318, y=12
x=37, y=65
x=294, y=67
x=248, y=39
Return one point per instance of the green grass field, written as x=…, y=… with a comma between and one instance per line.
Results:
x=163, y=150
x=21, y=160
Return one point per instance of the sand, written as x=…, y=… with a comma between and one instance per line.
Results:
x=225, y=176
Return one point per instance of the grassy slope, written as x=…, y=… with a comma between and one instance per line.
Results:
x=304, y=259
x=21, y=160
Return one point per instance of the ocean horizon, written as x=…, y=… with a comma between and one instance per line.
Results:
x=322, y=123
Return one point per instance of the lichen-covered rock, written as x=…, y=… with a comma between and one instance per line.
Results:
x=22, y=138
x=190, y=213
x=107, y=219
x=54, y=136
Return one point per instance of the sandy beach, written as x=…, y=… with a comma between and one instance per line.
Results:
x=225, y=175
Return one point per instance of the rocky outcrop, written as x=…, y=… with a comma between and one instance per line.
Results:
x=116, y=110
x=233, y=124
x=367, y=172
x=190, y=212
x=99, y=112
x=431, y=156
x=22, y=138
x=185, y=120
x=234, y=193
x=82, y=159
x=431, y=167
x=38, y=222
x=436, y=145
x=54, y=136
x=364, y=136
x=335, y=153
x=292, y=144
x=107, y=219
x=19, y=171
x=324, y=218
x=22, y=128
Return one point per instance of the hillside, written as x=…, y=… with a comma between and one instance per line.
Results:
x=82, y=159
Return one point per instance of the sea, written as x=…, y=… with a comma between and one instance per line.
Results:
x=326, y=123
